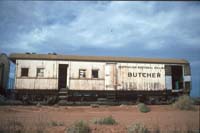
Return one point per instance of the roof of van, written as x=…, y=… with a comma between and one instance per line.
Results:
x=54, y=56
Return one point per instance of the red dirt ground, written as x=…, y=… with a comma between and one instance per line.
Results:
x=163, y=117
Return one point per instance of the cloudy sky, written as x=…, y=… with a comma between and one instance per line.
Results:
x=135, y=29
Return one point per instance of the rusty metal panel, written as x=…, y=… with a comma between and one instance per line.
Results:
x=139, y=76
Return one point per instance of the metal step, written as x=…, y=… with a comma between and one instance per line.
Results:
x=63, y=89
x=62, y=97
x=63, y=92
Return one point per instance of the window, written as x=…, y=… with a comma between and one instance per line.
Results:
x=95, y=73
x=187, y=70
x=82, y=73
x=40, y=72
x=24, y=72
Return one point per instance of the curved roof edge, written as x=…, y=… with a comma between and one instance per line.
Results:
x=16, y=56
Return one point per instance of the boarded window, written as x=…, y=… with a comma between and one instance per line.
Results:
x=40, y=72
x=95, y=73
x=82, y=73
x=187, y=70
x=24, y=72
x=168, y=70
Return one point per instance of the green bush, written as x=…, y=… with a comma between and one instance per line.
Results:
x=184, y=103
x=79, y=127
x=105, y=121
x=143, y=108
x=137, y=128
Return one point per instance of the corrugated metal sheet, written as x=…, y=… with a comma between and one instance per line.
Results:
x=15, y=56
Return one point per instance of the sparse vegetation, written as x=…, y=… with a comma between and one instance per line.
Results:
x=184, y=103
x=137, y=128
x=94, y=105
x=79, y=127
x=143, y=108
x=105, y=121
x=10, y=126
x=56, y=123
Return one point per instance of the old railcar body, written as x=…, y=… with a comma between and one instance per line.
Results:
x=87, y=78
x=4, y=72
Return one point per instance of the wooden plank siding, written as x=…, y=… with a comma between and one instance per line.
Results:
x=113, y=73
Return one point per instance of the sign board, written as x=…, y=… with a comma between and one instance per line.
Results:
x=138, y=76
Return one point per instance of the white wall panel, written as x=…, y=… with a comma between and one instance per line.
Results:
x=168, y=81
x=187, y=78
x=138, y=76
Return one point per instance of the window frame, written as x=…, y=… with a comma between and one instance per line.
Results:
x=97, y=70
x=37, y=74
x=79, y=74
x=22, y=74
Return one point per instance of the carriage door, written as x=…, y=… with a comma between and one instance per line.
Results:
x=110, y=76
x=62, y=76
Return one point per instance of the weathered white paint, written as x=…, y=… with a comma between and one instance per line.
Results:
x=35, y=83
x=187, y=78
x=110, y=76
x=126, y=82
x=49, y=81
x=168, y=82
x=87, y=83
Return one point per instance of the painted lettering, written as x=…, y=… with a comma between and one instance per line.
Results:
x=144, y=75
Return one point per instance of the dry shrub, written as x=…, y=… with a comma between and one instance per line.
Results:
x=56, y=123
x=94, y=105
x=143, y=108
x=105, y=121
x=11, y=126
x=184, y=103
x=79, y=127
x=137, y=128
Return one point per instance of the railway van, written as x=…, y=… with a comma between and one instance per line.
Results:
x=89, y=78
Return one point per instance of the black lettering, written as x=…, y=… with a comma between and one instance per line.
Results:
x=158, y=75
x=129, y=74
x=134, y=74
x=148, y=75
x=144, y=75
x=153, y=75
x=139, y=74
